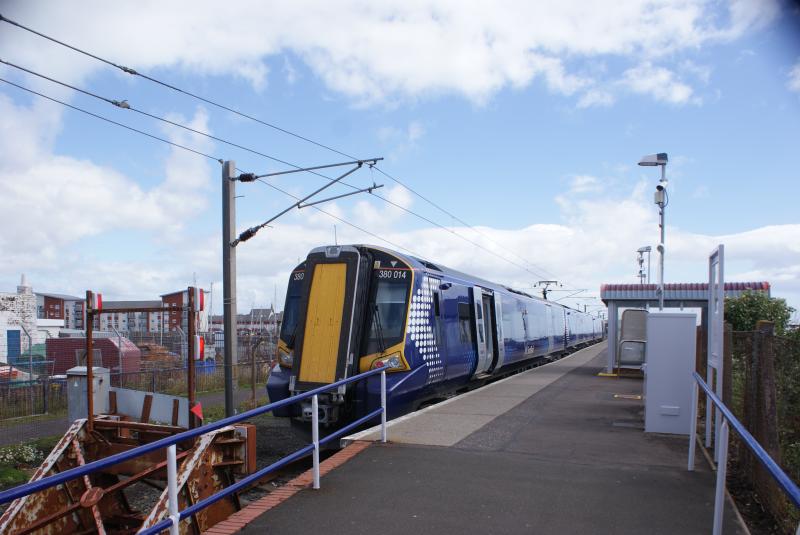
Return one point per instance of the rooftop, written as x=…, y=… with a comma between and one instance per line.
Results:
x=64, y=297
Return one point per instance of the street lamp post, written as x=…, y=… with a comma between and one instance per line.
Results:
x=661, y=199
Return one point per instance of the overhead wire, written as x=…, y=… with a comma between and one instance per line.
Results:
x=111, y=121
x=199, y=153
x=134, y=72
x=229, y=109
x=124, y=104
x=353, y=225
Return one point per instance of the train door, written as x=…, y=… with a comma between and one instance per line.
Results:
x=551, y=328
x=490, y=322
x=322, y=350
x=499, y=337
x=483, y=329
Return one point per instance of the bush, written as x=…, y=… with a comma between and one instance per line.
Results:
x=20, y=454
x=745, y=311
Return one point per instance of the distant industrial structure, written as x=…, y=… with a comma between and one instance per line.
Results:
x=257, y=321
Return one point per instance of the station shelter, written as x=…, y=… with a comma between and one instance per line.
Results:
x=618, y=297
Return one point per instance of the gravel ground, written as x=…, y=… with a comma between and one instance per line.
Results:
x=274, y=440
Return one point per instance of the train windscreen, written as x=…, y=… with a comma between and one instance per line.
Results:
x=387, y=309
x=291, y=309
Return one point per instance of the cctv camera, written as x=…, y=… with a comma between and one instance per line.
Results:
x=660, y=187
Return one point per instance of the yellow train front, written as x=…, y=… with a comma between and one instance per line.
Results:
x=352, y=308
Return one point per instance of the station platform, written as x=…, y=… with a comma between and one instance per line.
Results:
x=557, y=449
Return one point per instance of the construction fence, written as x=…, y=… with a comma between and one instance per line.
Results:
x=38, y=406
x=761, y=385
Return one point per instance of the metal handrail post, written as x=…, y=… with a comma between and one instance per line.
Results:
x=184, y=344
x=172, y=489
x=383, y=406
x=693, y=427
x=709, y=409
x=315, y=437
x=722, y=468
x=119, y=342
x=718, y=421
x=30, y=366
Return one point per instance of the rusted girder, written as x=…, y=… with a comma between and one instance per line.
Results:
x=96, y=503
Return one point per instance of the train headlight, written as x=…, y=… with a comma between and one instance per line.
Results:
x=286, y=360
x=392, y=363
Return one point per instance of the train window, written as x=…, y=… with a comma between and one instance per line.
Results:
x=291, y=309
x=436, y=304
x=465, y=323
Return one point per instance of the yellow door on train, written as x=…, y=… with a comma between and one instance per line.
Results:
x=323, y=324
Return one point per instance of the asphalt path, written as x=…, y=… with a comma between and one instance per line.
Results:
x=571, y=458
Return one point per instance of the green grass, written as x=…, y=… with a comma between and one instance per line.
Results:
x=46, y=444
x=11, y=477
x=217, y=412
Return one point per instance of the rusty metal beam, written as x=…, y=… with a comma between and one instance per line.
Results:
x=191, y=317
x=90, y=501
x=89, y=361
x=107, y=492
x=139, y=426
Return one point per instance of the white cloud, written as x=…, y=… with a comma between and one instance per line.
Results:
x=51, y=202
x=658, y=82
x=584, y=184
x=603, y=228
x=370, y=52
x=401, y=139
x=375, y=52
x=701, y=72
x=794, y=78
x=596, y=97
x=289, y=71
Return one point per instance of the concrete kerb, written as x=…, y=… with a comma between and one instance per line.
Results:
x=362, y=435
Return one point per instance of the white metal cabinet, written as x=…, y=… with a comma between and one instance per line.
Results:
x=670, y=358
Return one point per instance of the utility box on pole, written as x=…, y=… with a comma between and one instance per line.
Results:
x=669, y=362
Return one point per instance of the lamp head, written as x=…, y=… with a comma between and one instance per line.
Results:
x=652, y=160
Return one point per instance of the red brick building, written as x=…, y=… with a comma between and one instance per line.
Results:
x=62, y=351
x=60, y=306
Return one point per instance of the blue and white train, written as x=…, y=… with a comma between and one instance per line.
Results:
x=353, y=308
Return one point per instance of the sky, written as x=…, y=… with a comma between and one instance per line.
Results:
x=511, y=130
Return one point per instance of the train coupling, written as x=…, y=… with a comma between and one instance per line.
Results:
x=328, y=413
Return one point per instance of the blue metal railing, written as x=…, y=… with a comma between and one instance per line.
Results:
x=170, y=442
x=729, y=420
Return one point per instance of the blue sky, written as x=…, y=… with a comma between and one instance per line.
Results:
x=525, y=122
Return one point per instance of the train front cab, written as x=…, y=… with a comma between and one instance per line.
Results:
x=322, y=318
x=345, y=313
